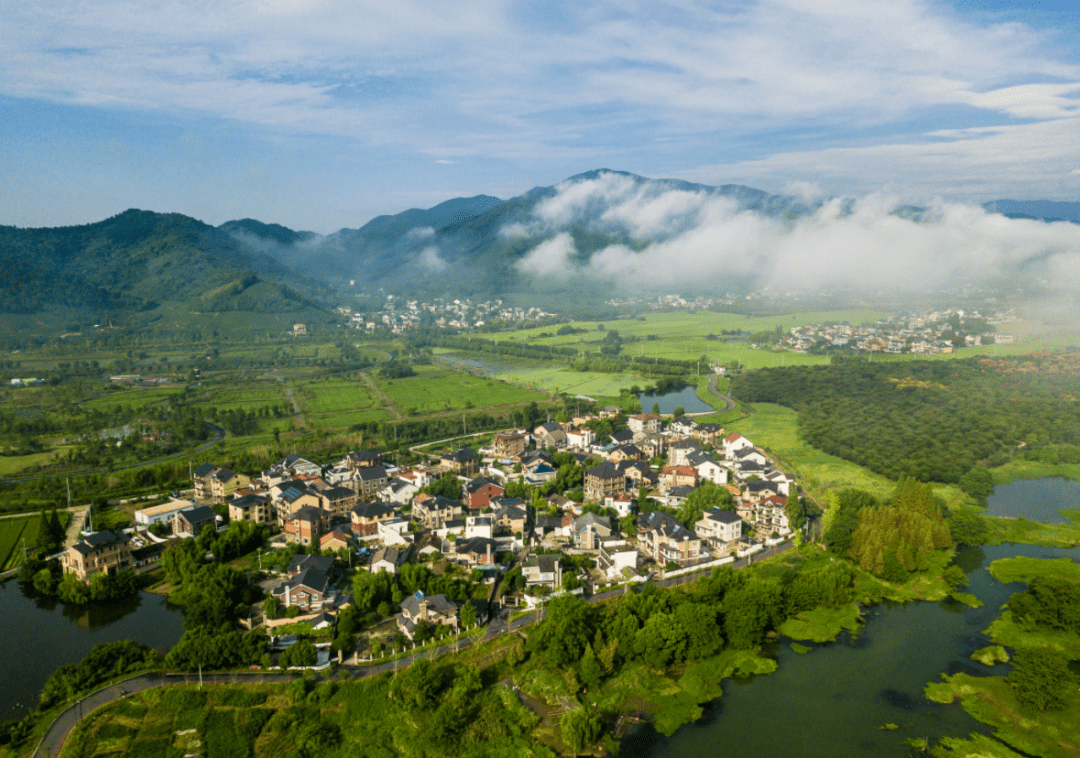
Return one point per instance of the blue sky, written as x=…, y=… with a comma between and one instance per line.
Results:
x=320, y=114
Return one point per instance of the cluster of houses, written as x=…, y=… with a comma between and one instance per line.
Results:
x=379, y=513
x=927, y=334
x=399, y=316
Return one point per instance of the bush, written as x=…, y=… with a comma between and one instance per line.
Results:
x=1039, y=679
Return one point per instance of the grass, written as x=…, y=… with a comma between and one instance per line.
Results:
x=989, y=699
x=1024, y=469
x=11, y=465
x=320, y=398
x=990, y=655
x=1024, y=569
x=1032, y=532
x=436, y=388
x=11, y=536
x=135, y=399
x=821, y=624
x=1010, y=633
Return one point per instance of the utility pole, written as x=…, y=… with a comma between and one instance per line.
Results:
x=68, y=480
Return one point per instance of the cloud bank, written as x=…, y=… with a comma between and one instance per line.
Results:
x=676, y=238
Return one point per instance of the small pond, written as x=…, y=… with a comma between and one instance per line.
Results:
x=1034, y=499
x=38, y=635
x=686, y=398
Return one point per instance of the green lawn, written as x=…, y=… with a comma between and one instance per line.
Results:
x=12, y=465
x=436, y=388
x=329, y=398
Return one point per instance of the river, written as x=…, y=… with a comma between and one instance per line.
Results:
x=38, y=635
x=834, y=700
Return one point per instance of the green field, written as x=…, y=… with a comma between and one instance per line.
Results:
x=12, y=533
x=345, y=419
x=12, y=465
x=329, y=398
x=436, y=388
x=131, y=398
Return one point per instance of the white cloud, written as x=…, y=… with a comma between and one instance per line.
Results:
x=430, y=260
x=847, y=242
x=550, y=258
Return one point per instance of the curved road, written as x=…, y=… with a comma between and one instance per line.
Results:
x=57, y=733
x=219, y=436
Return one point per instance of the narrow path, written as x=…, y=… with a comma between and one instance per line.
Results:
x=387, y=402
x=729, y=403
x=296, y=408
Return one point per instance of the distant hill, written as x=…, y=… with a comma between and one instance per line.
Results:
x=1047, y=210
x=138, y=261
x=476, y=245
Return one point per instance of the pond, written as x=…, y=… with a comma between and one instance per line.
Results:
x=686, y=398
x=37, y=635
x=1034, y=499
x=836, y=699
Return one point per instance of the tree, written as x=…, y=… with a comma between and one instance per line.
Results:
x=968, y=527
x=301, y=653
x=978, y=482
x=581, y=728
x=656, y=409
x=1039, y=678
x=795, y=510
x=679, y=412
x=704, y=498
x=468, y=615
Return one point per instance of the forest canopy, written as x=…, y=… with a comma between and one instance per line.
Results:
x=930, y=420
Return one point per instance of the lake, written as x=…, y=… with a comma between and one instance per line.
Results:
x=37, y=635
x=834, y=700
x=1034, y=499
x=686, y=398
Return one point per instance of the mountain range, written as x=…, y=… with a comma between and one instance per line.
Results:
x=572, y=240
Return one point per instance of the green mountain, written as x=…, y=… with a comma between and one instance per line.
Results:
x=138, y=262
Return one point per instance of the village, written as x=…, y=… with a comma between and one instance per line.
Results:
x=602, y=502
x=933, y=333
x=399, y=316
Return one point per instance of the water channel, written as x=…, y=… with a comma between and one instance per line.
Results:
x=37, y=635
x=834, y=700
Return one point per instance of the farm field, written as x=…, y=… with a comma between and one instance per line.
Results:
x=345, y=419
x=436, y=388
x=682, y=336
x=12, y=465
x=544, y=376
x=131, y=398
x=12, y=533
x=328, y=398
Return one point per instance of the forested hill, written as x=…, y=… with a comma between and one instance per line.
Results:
x=931, y=420
x=136, y=261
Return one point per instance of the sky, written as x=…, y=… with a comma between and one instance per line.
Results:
x=320, y=114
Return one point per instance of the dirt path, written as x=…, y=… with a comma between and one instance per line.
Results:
x=78, y=516
x=387, y=402
x=296, y=409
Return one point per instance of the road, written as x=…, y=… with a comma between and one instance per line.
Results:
x=219, y=436
x=53, y=740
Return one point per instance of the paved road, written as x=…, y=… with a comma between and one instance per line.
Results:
x=219, y=436
x=58, y=731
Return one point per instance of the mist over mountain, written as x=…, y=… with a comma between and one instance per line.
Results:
x=605, y=233
x=594, y=236
x=1047, y=210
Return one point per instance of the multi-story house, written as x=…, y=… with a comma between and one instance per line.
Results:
x=369, y=480
x=478, y=492
x=103, y=552
x=603, y=480
x=615, y=556
x=254, y=507
x=509, y=443
x=306, y=525
x=365, y=519
x=550, y=434
x=431, y=609
x=665, y=540
x=432, y=511
x=463, y=462
x=720, y=529
x=542, y=571
x=192, y=521
x=643, y=423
